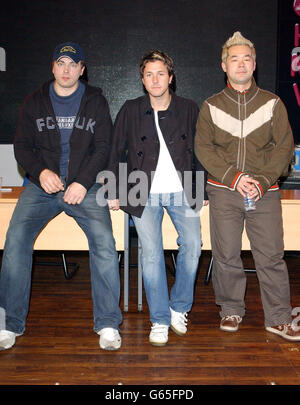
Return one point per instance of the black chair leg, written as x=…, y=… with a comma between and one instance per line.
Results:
x=66, y=266
x=208, y=273
x=173, y=269
x=68, y=275
x=209, y=270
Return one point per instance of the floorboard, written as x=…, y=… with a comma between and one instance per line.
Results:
x=59, y=346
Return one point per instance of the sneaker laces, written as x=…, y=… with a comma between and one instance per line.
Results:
x=109, y=333
x=289, y=326
x=286, y=327
x=182, y=317
x=159, y=328
x=232, y=317
x=283, y=325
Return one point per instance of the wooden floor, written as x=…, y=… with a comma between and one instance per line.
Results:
x=59, y=346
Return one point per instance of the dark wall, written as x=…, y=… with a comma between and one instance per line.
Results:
x=116, y=33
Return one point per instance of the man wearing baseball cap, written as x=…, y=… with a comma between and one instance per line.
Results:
x=62, y=142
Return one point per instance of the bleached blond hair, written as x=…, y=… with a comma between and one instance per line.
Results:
x=237, y=39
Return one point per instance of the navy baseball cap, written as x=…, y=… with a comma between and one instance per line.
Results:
x=69, y=49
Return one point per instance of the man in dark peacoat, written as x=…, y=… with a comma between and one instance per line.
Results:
x=153, y=161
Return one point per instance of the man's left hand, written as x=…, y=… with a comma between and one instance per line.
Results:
x=75, y=193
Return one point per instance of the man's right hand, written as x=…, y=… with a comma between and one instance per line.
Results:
x=50, y=182
x=246, y=185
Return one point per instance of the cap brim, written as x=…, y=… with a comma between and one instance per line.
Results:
x=65, y=56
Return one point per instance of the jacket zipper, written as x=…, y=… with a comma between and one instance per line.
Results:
x=240, y=138
x=244, y=139
x=242, y=143
x=52, y=114
x=77, y=115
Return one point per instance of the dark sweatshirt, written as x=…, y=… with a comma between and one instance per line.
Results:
x=37, y=141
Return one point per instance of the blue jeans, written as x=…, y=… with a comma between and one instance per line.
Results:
x=34, y=209
x=149, y=229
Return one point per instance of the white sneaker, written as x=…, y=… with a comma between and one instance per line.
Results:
x=178, y=322
x=110, y=339
x=7, y=339
x=159, y=334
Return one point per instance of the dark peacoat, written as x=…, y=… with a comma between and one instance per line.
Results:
x=135, y=142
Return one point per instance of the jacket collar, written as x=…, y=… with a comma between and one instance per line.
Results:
x=236, y=95
x=146, y=107
x=90, y=90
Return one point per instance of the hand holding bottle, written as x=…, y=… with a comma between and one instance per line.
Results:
x=246, y=185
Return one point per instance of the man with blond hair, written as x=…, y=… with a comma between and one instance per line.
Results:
x=245, y=142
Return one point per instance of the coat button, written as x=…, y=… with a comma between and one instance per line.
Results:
x=183, y=136
x=143, y=138
x=140, y=153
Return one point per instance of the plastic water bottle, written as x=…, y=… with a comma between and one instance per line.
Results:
x=249, y=203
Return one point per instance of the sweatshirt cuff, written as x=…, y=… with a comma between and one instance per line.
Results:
x=233, y=182
x=260, y=190
x=263, y=185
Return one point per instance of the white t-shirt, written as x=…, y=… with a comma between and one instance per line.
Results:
x=166, y=179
